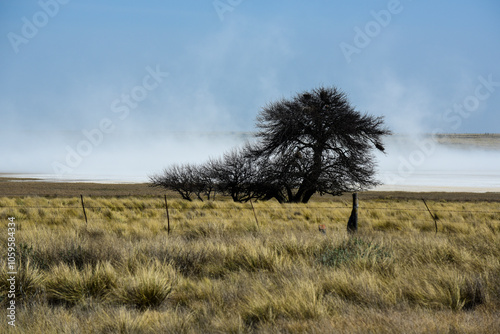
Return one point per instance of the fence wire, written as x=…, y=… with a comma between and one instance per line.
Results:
x=367, y=214
x=131, y=208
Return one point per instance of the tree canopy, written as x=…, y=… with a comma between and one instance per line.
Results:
x=320, y=143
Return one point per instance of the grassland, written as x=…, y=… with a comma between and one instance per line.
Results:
x=221, y=271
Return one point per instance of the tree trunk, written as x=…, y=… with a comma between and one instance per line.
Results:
x=309, y=184
x=307, y=195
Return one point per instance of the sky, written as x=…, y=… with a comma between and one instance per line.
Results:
x=120, y=85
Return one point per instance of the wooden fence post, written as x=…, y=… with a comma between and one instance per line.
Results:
x=352, y=224
x=432, y=215
x=254, y=214
x=168, y=216
x=83, y=206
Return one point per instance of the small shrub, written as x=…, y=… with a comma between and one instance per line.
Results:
x=148, y=288
x=100, y=280
x=65, y=286
x=473, y=293
x=68, y=285
x=349, y=251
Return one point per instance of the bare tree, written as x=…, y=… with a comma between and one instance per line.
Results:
x=188, y=180
x=234, y=174
x=207, y=182
x=318, y=142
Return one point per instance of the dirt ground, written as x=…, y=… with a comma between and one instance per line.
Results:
x=26, y=187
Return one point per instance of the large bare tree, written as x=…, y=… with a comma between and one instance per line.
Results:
x=317, y=142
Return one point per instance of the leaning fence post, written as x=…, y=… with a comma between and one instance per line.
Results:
x=352, y=224
x=432, y=215
x=168, y=216
x=83, y=206
x=254, y=214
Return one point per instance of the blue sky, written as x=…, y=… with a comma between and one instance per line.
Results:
x=413, y=67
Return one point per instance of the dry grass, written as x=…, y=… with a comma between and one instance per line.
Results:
x=221, y=272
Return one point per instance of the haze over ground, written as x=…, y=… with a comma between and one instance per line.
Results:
x=125, y=88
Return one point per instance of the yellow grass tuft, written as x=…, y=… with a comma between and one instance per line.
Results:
x=148, y=287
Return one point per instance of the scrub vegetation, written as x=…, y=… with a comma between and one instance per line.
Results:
x=219, y=271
